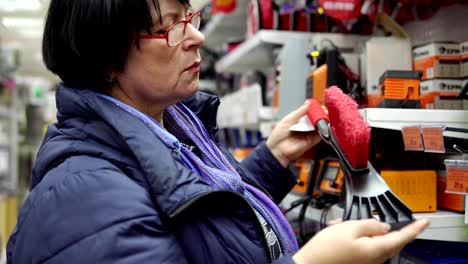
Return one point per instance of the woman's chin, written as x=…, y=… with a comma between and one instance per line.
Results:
x=194, y=86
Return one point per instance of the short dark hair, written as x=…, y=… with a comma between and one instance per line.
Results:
x=86, y=39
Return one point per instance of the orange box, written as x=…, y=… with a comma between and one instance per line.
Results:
x=416, y=188
x=437, y=60
x=429, y=89
x=464, y=60
x=449, y=201
x=396, y=87
x=304, y=168
x=317, y=83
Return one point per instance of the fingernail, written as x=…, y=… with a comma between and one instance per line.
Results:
x=425, y=221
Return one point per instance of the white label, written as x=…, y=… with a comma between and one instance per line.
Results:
x=430, y=73
x=466, y=209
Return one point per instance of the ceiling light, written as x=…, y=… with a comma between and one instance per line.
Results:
x=22, y=22
x=20, y=5
x=31, y=32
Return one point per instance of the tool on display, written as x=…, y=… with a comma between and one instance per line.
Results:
x=345, y=131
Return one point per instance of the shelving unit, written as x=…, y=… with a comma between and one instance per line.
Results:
x=445, y=225
x=223, y=27
x=9, y=181
x=393, y=118
x=256, y=52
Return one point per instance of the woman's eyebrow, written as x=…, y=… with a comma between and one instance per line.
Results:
x=171, y=16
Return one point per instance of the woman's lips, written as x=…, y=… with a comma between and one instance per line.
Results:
x=195, y=67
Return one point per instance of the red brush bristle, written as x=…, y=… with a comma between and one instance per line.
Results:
x=351, y=130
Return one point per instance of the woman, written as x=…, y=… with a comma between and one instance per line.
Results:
x=130, y=173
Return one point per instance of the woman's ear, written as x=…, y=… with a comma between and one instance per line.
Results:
x=111, y=79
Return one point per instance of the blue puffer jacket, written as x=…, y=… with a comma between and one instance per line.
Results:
x=105, y=189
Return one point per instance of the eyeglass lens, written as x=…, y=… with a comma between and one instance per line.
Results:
x=177, y=32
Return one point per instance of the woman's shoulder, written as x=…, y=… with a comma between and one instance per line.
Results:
x=71, y=204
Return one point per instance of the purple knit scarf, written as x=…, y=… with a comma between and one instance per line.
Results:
x=212, y=166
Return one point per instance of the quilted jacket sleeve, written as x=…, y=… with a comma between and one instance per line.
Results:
x=91, y=217
x=269, y=173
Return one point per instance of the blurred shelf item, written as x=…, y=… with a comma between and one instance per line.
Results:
x=207, y=85
x=393, y=118
x=4, y=111
x=224, y=27
x=444, y=226
x=243, y=109
x=198, y=4
x=9, y=118
x=265, y=128
x=256, y=52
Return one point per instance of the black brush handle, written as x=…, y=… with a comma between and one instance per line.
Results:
x=328, y=136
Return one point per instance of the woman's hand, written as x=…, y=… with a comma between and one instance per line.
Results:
x=287, y=145
x=363, y=241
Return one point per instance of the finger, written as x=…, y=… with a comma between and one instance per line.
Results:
x=334, y=222
x=394, y=241
x=370, y=227
x=314, y=139
x=295, y=115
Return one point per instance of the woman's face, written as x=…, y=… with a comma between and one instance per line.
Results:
x=156, y=75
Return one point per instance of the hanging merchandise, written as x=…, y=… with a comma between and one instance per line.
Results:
x=263, y=14
x=318, y=22
x=303, y=18
x=426, y=11
x=302, y=21
x=286, y=16
x=451, y=2
x=223, y=6
x=343, y=10
x=291, y=17
x=410, y=10
x=286, y=21
x=376, y=7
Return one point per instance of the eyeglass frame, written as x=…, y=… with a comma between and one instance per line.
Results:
x=187, y=20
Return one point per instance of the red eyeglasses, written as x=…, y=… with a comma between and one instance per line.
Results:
x=175, y=33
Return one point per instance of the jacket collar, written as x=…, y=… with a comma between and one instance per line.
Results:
x=205, y=106
x=170, y=183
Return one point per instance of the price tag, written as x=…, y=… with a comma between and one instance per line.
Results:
x=412, y=138
x=433, y=139
x=457, y=180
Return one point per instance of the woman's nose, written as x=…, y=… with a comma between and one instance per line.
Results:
x=193, y=37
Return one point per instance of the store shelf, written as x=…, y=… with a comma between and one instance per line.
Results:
x=256, y=52
x=393, y=118
x=225, y=27
x=444, y=226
